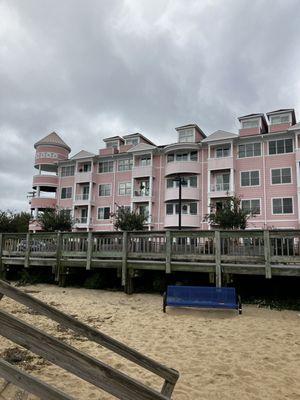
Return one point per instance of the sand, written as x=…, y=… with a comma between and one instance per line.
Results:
x=219, y=354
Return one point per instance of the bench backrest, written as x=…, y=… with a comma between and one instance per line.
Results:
x=193, y=293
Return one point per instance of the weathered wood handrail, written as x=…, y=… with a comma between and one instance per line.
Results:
x=169, y=375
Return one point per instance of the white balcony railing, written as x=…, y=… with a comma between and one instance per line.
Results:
x=83, y=220
x=82, y=196
x=142, y=193
x=220, y=187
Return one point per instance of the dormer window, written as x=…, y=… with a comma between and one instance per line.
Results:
x=133, y=141
x=250, y=123
x=113, y=144
x=280, y=119
x=186, y=135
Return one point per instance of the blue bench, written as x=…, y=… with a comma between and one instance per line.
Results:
x=202, y=297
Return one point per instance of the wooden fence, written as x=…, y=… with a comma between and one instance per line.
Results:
x=269, y=252
x=67, y=357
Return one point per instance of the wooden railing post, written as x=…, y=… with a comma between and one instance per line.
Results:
x=1, y=251
x=218, y=258
x=124, y=257
x=89, y=251
x=267, y=251
x=27, y=252
x=168, y=251
x=58, y=256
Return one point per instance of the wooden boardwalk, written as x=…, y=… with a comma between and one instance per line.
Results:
x=218, y=253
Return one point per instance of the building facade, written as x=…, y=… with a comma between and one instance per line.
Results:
x=259, y=164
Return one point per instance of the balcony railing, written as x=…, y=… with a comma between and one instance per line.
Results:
x=220, y=187
x=142, y=193
x=82, y=196
x=83, y=220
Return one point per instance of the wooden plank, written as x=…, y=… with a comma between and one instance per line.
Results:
x=168, y=251
x=89, y=332
x=124, y=258
x=218, y=258
x=89, y=251
x=268, y=271
x=58, y=256
x=1, y=249
x=168, y=389
x=30, y=383
x=27, y=252
x=80, y=364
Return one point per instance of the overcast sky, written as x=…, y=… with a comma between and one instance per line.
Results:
x=88, y=69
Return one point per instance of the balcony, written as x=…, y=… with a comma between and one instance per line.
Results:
x=83, y=199
x=220, y=190
x=187, y=221
x=46, y=182
x=220, y=163
x=181, y=167
x=187, y=193
x=142, y=195
x=43, y=202
x=81, y=177
x=142, y=171
x=82, y=222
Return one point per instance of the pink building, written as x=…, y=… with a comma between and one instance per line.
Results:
x=260, y=164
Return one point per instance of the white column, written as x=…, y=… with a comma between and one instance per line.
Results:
x=298, y=188
x=231, y=180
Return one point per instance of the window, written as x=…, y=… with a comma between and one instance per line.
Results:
x=106, y=166
x=125, y=189
x=222, y=151
x=222, y=183
x=145, y=161
x=194, y=156
x=283, y=206
x=189, y=181
x=86, y=167
x=182, y=156
x=133, y=141
x=170, y=157
x=249, y=150
x=67, y=212
x=68, y=171
x=250, y=124
x=104, y=213
x=66, y=193
x=114, y=144
x=250, y=178
x=281, y=146
x=193, y=181
x=251, y=206
x=186, y=135
x=105, y=190
x=186, y=208
x=125, y=165
x=281, y=175
x=279, y=119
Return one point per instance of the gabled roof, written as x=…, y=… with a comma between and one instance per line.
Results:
x=141, y=147
x=250, y=116
x=220, y=135
x=137, y=134
x=82, y=154
x=191, y=126
x=111, y=138
x=52, y=139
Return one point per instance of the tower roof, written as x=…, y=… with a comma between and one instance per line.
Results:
x=52, y=139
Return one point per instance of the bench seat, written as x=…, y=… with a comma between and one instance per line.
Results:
x=202, y=297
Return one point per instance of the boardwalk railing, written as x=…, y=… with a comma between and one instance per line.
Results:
x=269, y=252
x=84, y=366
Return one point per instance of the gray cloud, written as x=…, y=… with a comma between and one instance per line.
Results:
x=91, y=69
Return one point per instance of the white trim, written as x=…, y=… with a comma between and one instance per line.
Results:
x=255, y=198
x=106, y=172
x=281, y=168
x=288, y=197
x=250, y=170
x=276, y=140
x=103, y=219
x=123, y=195
x=245, y=144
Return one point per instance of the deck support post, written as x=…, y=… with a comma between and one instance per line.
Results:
x=218, y=258
x=128, y=288
x=268, y=270
x=211, y=277
x=58, y=256
x=124, y=258
x=89, y=251
x=168, y=251
x=1, y=263
x=27, y=252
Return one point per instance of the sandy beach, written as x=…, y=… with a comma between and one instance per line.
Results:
x=219, y=354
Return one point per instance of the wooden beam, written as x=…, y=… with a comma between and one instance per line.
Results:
x=89, y=332
x=1, y=250
x=218, y=258
x=27, y=252
x=72, y=360
x=168, y=251
x=58, y=256
x=89, y=251
x=268, y=271
x=29, y=383
x=124, y=257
